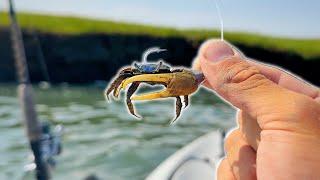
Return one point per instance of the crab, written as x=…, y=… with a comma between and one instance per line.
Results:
x=180, y=82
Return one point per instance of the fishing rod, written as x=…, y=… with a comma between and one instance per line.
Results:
x=40, y=57
x=43, y=143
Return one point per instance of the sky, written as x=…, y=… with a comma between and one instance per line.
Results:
x=284, y=18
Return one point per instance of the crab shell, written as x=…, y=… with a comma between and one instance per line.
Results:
x=159, y=67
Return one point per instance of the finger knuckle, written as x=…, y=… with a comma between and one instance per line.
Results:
x=240, y=71
x=239, y=75
x=237, y=70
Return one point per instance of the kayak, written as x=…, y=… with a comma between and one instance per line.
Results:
x=197, y=160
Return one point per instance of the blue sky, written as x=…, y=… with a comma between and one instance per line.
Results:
x=294, y=18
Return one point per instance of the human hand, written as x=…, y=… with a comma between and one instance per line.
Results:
x=278, y=133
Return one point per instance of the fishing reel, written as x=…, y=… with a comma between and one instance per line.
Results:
x=50, y=146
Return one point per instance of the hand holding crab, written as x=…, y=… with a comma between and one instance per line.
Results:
x=178, y=82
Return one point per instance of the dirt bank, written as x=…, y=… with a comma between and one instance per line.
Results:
x=89, y=57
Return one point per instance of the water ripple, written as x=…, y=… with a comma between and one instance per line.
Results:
x=101, y=138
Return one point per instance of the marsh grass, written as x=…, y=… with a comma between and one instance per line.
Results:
x=308, y=48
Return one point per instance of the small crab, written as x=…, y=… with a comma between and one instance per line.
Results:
x=178, y=82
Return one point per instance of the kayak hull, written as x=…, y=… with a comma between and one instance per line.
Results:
x=196, y=160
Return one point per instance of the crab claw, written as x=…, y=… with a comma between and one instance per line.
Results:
x=158, y=78
x=156, y=95
x=177, y=84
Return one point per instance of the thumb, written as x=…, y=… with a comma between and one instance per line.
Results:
x=241, y=83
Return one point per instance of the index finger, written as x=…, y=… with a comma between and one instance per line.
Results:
x=275, y=74
x=286, y=79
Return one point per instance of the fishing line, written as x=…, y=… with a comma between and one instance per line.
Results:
x=220, y=19
x=149, y=51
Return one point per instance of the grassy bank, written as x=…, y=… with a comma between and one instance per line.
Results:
x=71, y=25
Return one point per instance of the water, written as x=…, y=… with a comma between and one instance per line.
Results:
x=102, y=138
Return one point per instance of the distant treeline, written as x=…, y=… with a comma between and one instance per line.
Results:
x=85, y=58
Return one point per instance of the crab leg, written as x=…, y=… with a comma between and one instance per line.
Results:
x=178, y=109
x=113, y=86
x=115, y=83
x=117, y=87
x=186, y=101
x=134, y=86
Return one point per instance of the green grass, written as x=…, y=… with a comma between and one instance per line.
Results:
x=308, y=48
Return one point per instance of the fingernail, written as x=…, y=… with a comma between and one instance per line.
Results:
x=218, y=50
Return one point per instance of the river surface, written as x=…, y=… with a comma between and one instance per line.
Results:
x=101, y=138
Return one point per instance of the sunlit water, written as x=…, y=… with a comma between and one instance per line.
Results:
x=101, y=138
